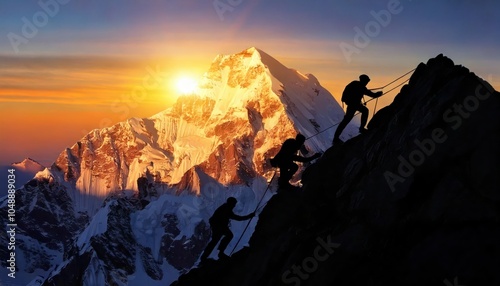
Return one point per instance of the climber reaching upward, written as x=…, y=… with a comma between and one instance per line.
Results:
x=352, y=95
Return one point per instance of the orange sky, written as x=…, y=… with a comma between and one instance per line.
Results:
x=60, y=99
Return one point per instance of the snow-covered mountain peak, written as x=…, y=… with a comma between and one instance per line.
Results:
x=45, y=175
x=28, y=165
x=247, y=65
x=247, y=104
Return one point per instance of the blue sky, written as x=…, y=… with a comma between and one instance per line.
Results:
x=461, y=23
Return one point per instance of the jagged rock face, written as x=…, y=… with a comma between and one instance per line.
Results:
x=109, y=256
x=46, y=224
x=101, y=162
x=183, y=253
x=415, y=201
x=193, y=109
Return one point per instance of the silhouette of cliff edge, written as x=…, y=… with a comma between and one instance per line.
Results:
x=414, y=201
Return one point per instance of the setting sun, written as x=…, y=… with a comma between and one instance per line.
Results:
x=186, y=85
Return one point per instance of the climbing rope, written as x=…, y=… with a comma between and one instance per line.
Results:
x=394, y=80
x=376, y=98
x=256, y=208
x=375, y=108
x=396, y=86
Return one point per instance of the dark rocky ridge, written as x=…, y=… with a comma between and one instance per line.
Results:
x=415, y=201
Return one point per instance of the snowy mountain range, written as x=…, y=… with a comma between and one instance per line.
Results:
x=129, y=204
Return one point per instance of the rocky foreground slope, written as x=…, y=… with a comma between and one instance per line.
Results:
x=415, y=201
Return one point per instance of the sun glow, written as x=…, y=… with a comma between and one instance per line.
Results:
x=186, y=85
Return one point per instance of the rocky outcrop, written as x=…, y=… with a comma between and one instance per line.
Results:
x=45, y=225
x=110, y=256
x=414, y=201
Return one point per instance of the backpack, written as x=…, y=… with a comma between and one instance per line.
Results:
x=348, y=94
x=217, y=219
x=274, y=162
x=286, y=150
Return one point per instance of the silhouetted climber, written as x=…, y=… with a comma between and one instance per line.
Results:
x=286, y=157
x=352, y=95
x=219, y=223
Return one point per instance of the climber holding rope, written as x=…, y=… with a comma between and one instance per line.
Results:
x=219, y=224
x=352, y=95
x=386, y=92
x=287, y=156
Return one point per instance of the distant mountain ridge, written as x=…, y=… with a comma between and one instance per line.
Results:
x=28, y=165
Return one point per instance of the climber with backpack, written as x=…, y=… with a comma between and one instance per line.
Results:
x=352, y=95
x=219, y=224
x=287, y=156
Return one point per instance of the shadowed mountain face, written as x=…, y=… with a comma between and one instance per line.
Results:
x=414, y=201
